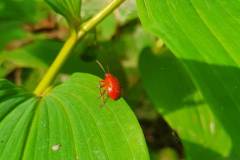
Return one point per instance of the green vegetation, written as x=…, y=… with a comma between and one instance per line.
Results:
x=177, y=62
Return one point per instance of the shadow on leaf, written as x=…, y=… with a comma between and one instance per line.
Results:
x=199, y=100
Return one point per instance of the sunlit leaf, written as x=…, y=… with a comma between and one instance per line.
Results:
x=67, y=123
x=183, y=106
x=209, y=51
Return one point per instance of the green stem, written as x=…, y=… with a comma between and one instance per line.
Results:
x=99, y=17
x=70, y=43
x=57, y=64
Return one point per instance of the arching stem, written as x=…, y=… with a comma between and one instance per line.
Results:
x=70, y=43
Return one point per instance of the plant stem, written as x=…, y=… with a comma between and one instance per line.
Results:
x=57, y=64
x=99, y=17
x=70, y=43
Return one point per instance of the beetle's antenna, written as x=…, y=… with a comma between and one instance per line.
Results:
x=101, y=66
x=108, y=68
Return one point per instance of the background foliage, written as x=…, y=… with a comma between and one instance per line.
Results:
x=181, y=78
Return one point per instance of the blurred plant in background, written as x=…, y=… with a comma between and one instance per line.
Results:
x=177, y=62
x=32, y=41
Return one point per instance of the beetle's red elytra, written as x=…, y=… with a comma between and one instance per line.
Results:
x=109, y=85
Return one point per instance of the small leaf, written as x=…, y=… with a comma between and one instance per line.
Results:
x=70, y=9
x=68, y=123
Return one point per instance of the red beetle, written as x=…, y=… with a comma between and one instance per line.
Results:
x=109, y=85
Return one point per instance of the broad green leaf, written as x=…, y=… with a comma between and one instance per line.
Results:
x=183, y=106
x=67, y=123
x=70, y=9
x=204, y=36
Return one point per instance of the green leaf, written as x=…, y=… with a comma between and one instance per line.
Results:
x=123, y=14
x=70, y=9
x=18, y=10
x=67, y=123
x=176, y=97
x=32, y=56
x=90, y=8
x=14, y=15
x=209, y=53
x=127, y=12
x=107, y=28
